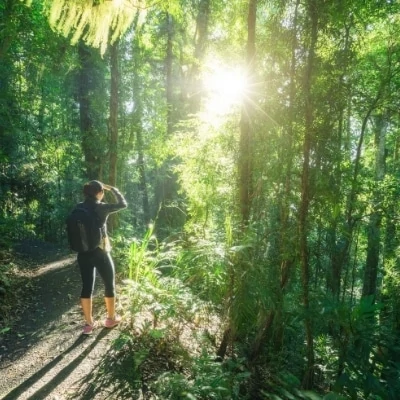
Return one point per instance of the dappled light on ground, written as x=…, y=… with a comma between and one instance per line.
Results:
x=43, y=354
x=73, y=360
x=52, y=266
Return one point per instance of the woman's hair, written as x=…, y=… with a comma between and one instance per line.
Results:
x=91, y=188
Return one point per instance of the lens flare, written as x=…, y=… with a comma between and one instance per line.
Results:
x=225, y=87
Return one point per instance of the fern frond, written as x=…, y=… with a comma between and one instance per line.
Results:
x=95, y=22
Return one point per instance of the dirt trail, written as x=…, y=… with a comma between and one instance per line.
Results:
x=44, y=355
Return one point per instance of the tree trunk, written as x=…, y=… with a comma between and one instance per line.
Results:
x=166, y=192
x=390, y=314
x=195, y=85
x=113, y=122
x=7, y=99
x=165, y=186
x=286, y=248
x=338, y=257
x=168, y=73
x=113, y=125
x=89, y=141
x=142, y=177
x=245, y=165
x=9, y=27
x=308, y=378
x=374, y=229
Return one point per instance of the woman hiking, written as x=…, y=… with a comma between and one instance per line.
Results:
x=99, y=259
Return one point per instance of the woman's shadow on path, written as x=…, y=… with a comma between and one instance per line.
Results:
x=51, y=310
x=61, y=375
x=51, y=292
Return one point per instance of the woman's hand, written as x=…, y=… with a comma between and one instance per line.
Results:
x=106, y=187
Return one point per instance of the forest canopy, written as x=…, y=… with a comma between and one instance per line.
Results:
x=257, y=143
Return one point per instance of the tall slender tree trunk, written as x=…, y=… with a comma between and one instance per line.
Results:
x=9, y=27
x=113, y=122
x=93, y=160
x=285, y=247
x=195, y=84
x=374, y=228
x=390, y=315
x=343, y=247
x=169, y=216
x=7, y=111
x=164, y=189
x=142, y=176
x=308, y=378
x=338, y=255
x=340, y=243
x=168, y=72
x=285, y=241
x=136, y=125
x=245, y=164
x=374, y=239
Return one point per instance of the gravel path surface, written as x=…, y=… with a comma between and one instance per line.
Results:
x=44, y=355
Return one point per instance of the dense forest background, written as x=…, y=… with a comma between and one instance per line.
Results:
x=257, y=143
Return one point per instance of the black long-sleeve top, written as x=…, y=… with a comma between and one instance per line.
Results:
x=103, y=210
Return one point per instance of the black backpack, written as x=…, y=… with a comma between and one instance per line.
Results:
x=83, y=229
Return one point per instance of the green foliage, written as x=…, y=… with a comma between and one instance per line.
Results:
x=174, y=312
x=130, y=363
x=141, y=261
x=362, y=373
x=97, y=22
x=166, y=298
x=209, y=380
x=206, y=171
x=202, y=265
x=245, y=278
x=42, y=159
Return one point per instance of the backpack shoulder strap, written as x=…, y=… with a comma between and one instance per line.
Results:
x=81, y=206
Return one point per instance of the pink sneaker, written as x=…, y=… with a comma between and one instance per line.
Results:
x=87, y=329
x=111, y=322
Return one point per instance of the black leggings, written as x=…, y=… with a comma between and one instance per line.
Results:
x=88, y=263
